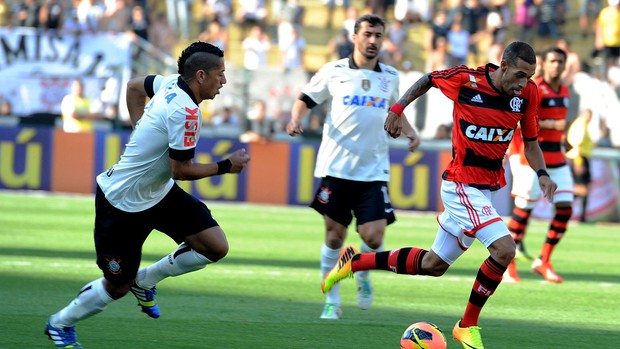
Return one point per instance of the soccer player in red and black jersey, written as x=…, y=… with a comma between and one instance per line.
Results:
x=552, y=111
x=488, y=103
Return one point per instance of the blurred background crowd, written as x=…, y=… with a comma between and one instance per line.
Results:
x=273, y=46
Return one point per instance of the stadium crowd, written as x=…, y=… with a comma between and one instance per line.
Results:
x=421, y=35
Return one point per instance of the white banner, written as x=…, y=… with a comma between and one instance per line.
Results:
x=36, y=67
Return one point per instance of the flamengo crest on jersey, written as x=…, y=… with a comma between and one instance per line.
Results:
x=354, y=145
x=484, y=123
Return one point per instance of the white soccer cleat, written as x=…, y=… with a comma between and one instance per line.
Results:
x=364, y=293
x=331, y=311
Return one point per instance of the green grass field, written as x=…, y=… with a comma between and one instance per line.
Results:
x=266, y=292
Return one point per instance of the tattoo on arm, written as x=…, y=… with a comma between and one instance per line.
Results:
x=416, y=90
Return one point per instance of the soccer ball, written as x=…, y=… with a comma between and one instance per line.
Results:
x=423, y=335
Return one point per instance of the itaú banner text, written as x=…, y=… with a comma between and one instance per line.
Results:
x=279, y=172
x=37, y=67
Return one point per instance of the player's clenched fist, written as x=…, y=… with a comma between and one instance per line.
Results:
x=238, y=159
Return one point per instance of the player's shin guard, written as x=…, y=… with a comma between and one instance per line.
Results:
x=406, y=260
x=364, y=248
x=556, y=231
x=92, y=299
x=183, y=260
x=488, y=278
x=329, y=258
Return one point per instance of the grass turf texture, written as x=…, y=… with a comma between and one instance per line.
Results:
x=266, y=292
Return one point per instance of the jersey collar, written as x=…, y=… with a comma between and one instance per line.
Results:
x=185, y=87
x=352, y=64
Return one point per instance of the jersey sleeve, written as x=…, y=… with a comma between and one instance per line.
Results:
x=448, y=81
x=183, y=132
x=529, y=122
x=152, y=83
x=318, y=86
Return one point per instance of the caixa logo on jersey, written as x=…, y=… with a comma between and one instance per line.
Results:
x=487, y=134
x=365, y=101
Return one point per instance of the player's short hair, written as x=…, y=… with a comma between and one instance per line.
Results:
x=519, y=50
x=198, y=56
x=555, y=50
x=373, y=20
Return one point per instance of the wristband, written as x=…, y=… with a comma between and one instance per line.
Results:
x=224, y=166
x=397, y=109
x=542, y=172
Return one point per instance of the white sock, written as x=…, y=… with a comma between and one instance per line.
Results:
x=92, y=299
x=182, y=260
x=329, y=258
x=365, y=274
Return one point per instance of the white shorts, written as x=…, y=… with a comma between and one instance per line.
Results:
x=468, y=215
x=525, y=187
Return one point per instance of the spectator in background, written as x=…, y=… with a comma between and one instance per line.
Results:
x=578, y=137
x=27, y=14
x=76, y=110
x=588, y=12
x=341, y=46
x=161, y=34
x=551, y=18
x=260, y=127
x=90, y=14
x=217, y=10
x=6, y=14
x=118, y=18
x=51, y=14
x=436, y=37
x=215, y=35
x=394, y=44
x=225, y=116
x=331, y=6
x=458, y=43
x=526, y=13
x=607, y=29
x=412, y=11
x=251, y=13
x=255, y=47
x=292, y=50
x=139, y=22
x=473, y=17
x=5, y=107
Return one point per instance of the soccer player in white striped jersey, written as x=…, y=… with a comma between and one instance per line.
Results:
x=139, y=193
x=353, y=161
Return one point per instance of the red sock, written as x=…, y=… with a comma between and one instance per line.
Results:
x=518, y=223
x=406, y=260
x=557, y=228
x=488, y=278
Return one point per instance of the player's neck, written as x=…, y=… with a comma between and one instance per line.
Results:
x=363, y=62
x=555, y=83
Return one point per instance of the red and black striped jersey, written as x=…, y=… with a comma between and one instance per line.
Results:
x=484, y=123
x=553, y=106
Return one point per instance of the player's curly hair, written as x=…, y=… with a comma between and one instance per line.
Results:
x=199, y=55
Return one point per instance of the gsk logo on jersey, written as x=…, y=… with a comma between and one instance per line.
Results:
x=365, y=101
x=486, y=134
x=191, y=127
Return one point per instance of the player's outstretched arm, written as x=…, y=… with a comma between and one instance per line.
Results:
x=299, y=110
x=393, y=123
x=187, y=170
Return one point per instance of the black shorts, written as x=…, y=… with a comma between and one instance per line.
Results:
x=582, y=177
x=119, y=235
x=341, y=199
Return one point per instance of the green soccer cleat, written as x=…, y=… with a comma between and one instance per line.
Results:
x=341, y=270
x=468, y=336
